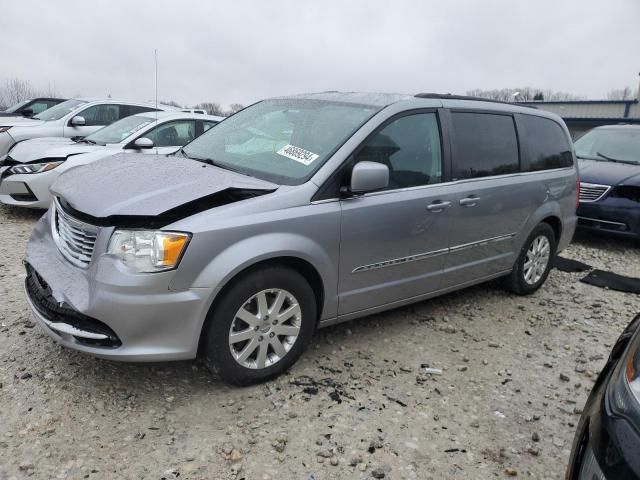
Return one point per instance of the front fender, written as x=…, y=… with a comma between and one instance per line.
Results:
x=250, y=251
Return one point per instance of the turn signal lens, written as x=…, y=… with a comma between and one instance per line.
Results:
x=630, y=371
x=172, y=248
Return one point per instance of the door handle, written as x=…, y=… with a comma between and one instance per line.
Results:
x=469, y=201
x=438, y=206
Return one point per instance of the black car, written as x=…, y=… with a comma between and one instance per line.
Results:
x=31, y=107
x=607, y=443
x=609, y=161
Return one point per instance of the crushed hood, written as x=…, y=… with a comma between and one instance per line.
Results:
x=126, y=187
x=609, y=173
x=49, y=147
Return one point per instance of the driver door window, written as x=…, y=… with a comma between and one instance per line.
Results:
x=173, y=134
x=410, y=147
x=100, y=115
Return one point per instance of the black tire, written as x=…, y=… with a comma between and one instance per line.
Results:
x=516, y=281
x=216, y=347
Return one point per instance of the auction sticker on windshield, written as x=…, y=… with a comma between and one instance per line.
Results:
x=298, y=154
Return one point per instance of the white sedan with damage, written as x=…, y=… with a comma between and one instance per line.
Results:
x=31, y=166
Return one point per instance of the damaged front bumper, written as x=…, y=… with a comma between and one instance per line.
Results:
x=26, y=190
x=107, y=311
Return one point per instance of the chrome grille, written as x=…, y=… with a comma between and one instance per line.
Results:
x=74, y=238
x=591, y=192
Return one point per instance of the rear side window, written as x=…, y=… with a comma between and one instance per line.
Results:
x=485, y=145
x=207, y=125
x=127, y=110
x=547, y=143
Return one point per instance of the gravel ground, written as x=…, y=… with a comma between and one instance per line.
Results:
x=515, y=374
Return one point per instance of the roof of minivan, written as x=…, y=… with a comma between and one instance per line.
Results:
x=385, y=99
x=361, y=98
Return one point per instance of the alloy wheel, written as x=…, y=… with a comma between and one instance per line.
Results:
x=265, y=328
x=537, y=259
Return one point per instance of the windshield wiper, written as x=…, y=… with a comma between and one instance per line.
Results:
x=83, y=140
x=224, y=166
x=617, y=160
x=182, y=153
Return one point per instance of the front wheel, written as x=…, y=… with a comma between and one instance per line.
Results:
x=261, y=326
x=534, y=262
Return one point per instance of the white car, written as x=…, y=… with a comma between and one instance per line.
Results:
x=31, y=107
x=31, y=167
x=77, y=117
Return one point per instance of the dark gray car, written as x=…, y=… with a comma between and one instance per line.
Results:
x=298, y=213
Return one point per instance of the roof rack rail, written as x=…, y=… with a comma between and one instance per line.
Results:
x=450, y=96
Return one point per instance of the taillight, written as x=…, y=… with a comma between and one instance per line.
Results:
x=578, y=194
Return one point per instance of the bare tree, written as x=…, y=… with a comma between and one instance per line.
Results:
x=16, y=90
x=172, y=103
x=523, y=94
x=620, y=94
x=233, y=108
x=212, y=108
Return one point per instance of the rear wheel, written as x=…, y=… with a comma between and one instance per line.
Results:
x=534, y=262
x=261, y=326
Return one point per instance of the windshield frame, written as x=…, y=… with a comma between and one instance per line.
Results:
x=279, y=179
x=76, y=104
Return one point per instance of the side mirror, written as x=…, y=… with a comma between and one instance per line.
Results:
x=143, y=142
x=78, y=121
x=27, y=112
x=369, y=177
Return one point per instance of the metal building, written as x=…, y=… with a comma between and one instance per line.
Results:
x=583, y=115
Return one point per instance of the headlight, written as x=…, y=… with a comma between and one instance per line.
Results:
x=35, y=167
x=146, y=251
x=624, y=390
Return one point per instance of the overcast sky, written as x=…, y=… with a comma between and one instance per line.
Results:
x=241, y=51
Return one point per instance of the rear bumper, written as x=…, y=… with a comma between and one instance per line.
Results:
x=148, y=320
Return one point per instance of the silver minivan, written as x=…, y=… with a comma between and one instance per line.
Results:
x=294, y=214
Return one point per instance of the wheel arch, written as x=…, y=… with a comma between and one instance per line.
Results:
x=556, y=224
x=301, y=265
